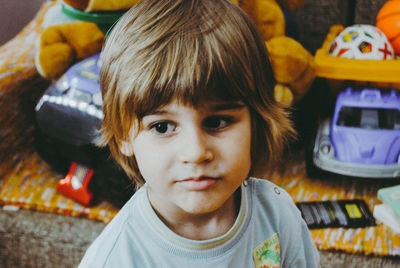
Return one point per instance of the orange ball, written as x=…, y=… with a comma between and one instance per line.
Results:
x=388, y=20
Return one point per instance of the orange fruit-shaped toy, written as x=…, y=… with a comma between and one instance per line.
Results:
x=388, y=20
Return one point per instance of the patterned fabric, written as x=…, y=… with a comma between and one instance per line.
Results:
x=34, y=187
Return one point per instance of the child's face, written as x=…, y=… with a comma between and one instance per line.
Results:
x=193, y=159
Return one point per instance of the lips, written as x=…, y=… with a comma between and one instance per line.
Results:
x=199, y=184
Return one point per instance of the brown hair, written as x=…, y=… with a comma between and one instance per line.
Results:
x=191, y=50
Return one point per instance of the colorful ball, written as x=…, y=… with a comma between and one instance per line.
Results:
x=388, y=20
x=362, y=41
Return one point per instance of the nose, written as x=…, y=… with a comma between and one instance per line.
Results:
x=196, y=148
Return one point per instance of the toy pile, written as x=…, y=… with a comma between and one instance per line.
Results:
x=362, y=139
x=372, y=43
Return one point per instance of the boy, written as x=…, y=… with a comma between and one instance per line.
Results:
x=189, y=114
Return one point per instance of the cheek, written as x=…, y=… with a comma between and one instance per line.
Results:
x=142, y=160
x=245, y=150
x=153, y=159
x=238, y=152
x=146, y=157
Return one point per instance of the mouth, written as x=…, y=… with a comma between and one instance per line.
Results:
x=199, y=184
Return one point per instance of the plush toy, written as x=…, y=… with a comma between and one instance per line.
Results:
x=294, y=69
x=65, y=43
x=75, y=30
x=293, y=65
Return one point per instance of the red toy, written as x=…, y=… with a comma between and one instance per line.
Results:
x=75, y=184
x=388, y=20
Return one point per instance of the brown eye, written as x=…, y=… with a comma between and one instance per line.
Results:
x=217, y=122
x=163, y=127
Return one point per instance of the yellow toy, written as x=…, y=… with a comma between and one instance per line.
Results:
x=293, y=65
x=63, y=44
x=72, y=34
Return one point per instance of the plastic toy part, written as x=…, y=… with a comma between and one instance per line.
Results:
x=388, y=20
x=363, y=138
x=75, y=184
x=104, y=20
x=70, y=109
x=327, y=66
x=324, y=158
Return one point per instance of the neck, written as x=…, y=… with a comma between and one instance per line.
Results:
x=204, y=226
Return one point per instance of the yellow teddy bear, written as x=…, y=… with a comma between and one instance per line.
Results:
x=293, y=65
x=68, y=41
x=75, y=30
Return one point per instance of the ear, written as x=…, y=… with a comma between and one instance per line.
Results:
x=126, y=148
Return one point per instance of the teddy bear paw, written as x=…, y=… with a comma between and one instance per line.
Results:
x=283, y=95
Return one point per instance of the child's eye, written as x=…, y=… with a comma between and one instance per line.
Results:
x=217, y=122
x=163, y=127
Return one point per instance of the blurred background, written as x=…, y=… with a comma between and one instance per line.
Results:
x=14, y=15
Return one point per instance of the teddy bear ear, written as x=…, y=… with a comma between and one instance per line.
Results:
x=126, y=148
x=291, y=5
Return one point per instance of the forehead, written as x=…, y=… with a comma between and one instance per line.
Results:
x=205, y=106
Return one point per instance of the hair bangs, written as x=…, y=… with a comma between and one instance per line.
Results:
x=191, y=67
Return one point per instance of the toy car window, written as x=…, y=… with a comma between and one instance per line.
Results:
x=389, y=119
x=349, y=117
x=369, y=118
x=396, y=120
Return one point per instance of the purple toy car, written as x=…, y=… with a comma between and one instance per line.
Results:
x=363, y=137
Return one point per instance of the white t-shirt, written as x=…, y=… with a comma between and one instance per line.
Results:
x=269, y=230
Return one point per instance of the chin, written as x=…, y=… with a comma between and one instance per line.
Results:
x=201, y=206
